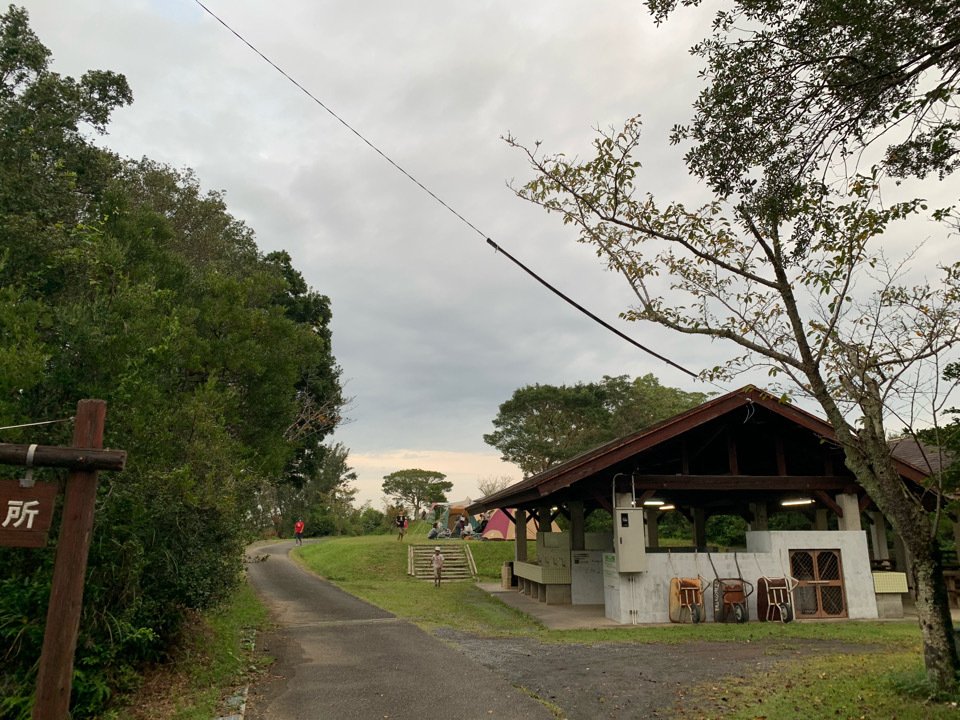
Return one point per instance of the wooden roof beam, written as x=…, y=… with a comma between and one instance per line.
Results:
x=829, y=502
x=743, y=482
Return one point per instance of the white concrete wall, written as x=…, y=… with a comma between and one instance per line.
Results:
x=854, y=559
x=644, y=597
x=586, y=577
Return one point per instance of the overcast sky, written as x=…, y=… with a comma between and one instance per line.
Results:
x=433, y=330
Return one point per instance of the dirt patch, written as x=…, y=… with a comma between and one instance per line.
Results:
x=627, y=680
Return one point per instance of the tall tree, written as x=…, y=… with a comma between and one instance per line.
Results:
x=840, y=320
x=542, y=425
x=124, y=281
x=810, y=109
x=416, y=488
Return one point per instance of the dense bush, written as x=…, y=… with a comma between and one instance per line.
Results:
x=122, y=280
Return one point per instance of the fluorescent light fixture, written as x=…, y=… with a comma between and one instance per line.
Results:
x=656, y=503
x=667, y=507
x=801, y=501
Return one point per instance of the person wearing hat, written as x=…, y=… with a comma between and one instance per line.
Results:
x=298, y=530
x=437, y=562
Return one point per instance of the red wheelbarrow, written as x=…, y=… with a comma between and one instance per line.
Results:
x=730, y=595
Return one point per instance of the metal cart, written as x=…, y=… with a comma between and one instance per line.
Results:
x=730, y=595
x=686, y=595
x=775, y=596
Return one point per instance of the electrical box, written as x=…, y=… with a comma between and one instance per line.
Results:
x=629, y=539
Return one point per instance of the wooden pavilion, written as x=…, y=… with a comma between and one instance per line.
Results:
x=746, y=453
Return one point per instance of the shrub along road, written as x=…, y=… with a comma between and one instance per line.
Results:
x=340, y=657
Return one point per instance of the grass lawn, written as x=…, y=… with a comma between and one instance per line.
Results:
x=856, y=685
x=837, y=686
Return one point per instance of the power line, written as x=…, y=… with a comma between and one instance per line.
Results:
x=44, y=422
x=586, y=312
x=435, y=197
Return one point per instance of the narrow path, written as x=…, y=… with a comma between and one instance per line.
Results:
x=341, y=658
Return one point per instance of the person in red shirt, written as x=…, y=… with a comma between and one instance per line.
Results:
x=298, y=531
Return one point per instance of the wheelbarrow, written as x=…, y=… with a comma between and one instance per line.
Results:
x=686, y=595
x=775, y=596
x=730, y=595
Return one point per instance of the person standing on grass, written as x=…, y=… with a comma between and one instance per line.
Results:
x=298, y=531
x=437, y=562
x=401, y=526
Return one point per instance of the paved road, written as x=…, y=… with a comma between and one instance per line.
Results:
x=344, y=659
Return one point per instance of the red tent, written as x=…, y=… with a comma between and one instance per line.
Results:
x=499, y=527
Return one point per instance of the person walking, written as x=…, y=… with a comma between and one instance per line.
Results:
x=437, y=562
x=298, y=530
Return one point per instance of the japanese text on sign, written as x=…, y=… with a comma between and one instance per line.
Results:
x=26, y=513
x=20, y=510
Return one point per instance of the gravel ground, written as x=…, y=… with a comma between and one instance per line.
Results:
x=625, y=680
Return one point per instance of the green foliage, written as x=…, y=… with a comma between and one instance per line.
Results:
x=416, y=488
x=125, y=281
x=726, y=531
x=320, y=491
x=211, y=654
x=796, y=88
x=916, y=684
x=373, y=522
x=542, y=425
x=674, y=526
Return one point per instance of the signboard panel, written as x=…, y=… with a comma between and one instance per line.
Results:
x=26, y=513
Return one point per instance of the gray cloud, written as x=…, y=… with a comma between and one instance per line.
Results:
x=432, y=329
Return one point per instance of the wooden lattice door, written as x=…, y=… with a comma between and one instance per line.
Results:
x=820, y=592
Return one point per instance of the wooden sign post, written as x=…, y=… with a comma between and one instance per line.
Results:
x=26, y=513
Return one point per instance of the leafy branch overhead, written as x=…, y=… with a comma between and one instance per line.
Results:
x=802, y=86
x=711, y=271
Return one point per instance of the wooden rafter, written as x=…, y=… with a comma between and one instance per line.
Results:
x=829, y=502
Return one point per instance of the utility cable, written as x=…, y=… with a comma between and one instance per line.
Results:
x=435, y=197
x=586, y=312
x=44, y=422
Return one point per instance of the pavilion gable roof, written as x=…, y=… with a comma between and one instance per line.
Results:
x=604, y=456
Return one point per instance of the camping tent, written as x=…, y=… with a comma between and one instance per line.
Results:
x=500, y=527
x=448, y=514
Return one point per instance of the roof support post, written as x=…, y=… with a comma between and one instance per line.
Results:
x=903, y=561
x=821, y=522
x=759, y=513
x=652, y=514
x=850, y=504
x=699, y=527
x=878, y=537
x=577, y=525
x=521, y=535
x=544, y=523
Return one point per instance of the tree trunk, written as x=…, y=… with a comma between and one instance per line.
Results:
x=868, y=457
x=936, y=625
